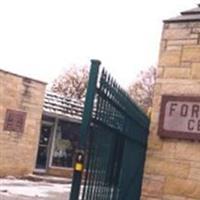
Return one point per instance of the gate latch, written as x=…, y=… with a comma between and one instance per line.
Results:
x=79, y=164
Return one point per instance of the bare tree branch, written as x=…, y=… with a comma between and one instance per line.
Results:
x=141, y=91
x=73, y=83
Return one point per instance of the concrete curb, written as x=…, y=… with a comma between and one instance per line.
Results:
x=50, y=179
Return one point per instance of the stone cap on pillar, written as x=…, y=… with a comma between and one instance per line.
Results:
x=187, y=16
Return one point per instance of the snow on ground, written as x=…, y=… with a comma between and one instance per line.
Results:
x=31, y=189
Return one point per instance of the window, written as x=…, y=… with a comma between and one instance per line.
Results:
x=66, y=142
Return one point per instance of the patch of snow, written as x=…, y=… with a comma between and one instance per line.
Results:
x=31, y=189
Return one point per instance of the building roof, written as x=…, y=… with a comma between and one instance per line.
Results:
x=21, y=76
x=188, y=15
x=61, y=106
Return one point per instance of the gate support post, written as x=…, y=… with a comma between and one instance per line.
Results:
x=77, y=176
x=87, y=114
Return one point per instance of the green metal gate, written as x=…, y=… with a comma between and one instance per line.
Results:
x=114, y=135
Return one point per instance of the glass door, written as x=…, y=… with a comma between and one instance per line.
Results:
x=43, y=149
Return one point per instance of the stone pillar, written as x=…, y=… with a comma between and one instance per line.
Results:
x=21, y=105
x=172, y=170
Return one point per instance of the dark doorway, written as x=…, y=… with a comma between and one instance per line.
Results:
x=43, y=148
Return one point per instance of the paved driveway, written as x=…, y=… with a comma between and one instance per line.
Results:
x=13, y=189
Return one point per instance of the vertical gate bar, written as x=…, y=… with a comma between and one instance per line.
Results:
x=87, y=114
x=101, y=169
x=91, y=171
x=89, y=191
x=94, y=170
x=113, y=164
x=88, y=166
x=119, y=152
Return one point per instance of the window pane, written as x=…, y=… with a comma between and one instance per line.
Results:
x=66, y=142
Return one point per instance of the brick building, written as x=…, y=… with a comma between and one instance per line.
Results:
x=38, y=131
x=21, y=105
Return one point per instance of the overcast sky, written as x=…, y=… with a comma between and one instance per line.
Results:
x=40, y=38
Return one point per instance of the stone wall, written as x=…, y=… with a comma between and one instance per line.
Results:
x=18, y=149
x=172, y=170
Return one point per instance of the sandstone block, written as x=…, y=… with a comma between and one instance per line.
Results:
x=173, y=34
x=196, y=30
x=178, y=26
x=193, y=24
x=186, y=64
x=159, y=72
x=149, y=198
x=153, y=186
x=177, y=73
x=196, y=70
x=163, y=45
x=154, y=117
x=157, y=86
x=180, y=88
x=181, y=42
x=194, y=173
x=154, y=143
x=188, y=151
x=169, y=149
x=172, y=197
x=170, y=58
x=173, y=48
x=182, y=187
x=191, y=54
x=160, y=166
